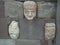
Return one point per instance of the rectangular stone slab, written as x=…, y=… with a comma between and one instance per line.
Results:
x=44, y=42
x=58, y=32
x=8, y=0
x=51, y=21
x=7, y=42
x=13, y=9
x=58, y=24
x=37, y=0
x=2, y=12
x=31, y=29
x=27, y=42
x=50, y=42
x=46, y=10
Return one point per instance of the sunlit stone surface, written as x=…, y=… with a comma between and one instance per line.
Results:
x=7, y=42
x=49, y=30
x=14, y=30
x=46, y=9
x=13, y=9
x=29, y=10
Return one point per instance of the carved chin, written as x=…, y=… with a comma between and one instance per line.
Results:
x=29, y=18
x=14, y=30
x=14, y=36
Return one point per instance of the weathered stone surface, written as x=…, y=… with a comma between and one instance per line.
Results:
x=58, y=31
x=58, y=24
x=3, y=28
x=27, y=42
x=38, y=0
x=50, y=30
x=44, y=42
x=7, y=42
x=13, y=9
x=31, y=29
x=30, y=10
x=7, y=0
x=14, y=30
x=2, y=12
x=46, y=9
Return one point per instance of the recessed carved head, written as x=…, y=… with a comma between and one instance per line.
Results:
x=29, y=9
x=14, y=30
x=49, y=30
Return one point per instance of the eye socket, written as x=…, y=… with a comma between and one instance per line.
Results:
x=26, y=12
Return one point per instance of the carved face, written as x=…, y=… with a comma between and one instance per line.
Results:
x=14, y=30
x=49, y=30
x=29, y=10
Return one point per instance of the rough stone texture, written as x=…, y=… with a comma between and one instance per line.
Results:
x=50, y=21
x=27, y=42
x=13, y=9
x=46, y=9
x=44, y=42
x=58, y=24
x=51, y=41
x=7, y=0
x=50, y=31
x=7, y=42
x=31, y=29
x=14, y=30
x=3, y=28
x=29, y=10
x=2, y=12
x=58, y=32
x=38, y=0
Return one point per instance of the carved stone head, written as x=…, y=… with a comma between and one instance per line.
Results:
x=29, y=10
x=14, y=30
x=49, y=30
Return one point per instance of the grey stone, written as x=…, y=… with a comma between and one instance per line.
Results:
x=38, y=0
x=50, y=42
x=50, y=21
x=58, y=10
x=58, y=24
x=31, y=29
x=58, y=33
x=7, y=42
x=44, y=42
x=3, y=28
x=46, y=9
x=7, y=0
x=2, y=13
x=27, y=42
x=13, y=9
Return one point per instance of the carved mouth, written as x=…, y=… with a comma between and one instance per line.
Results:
x=30, y=16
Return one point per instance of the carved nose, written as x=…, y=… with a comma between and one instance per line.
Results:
x=30, y=13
